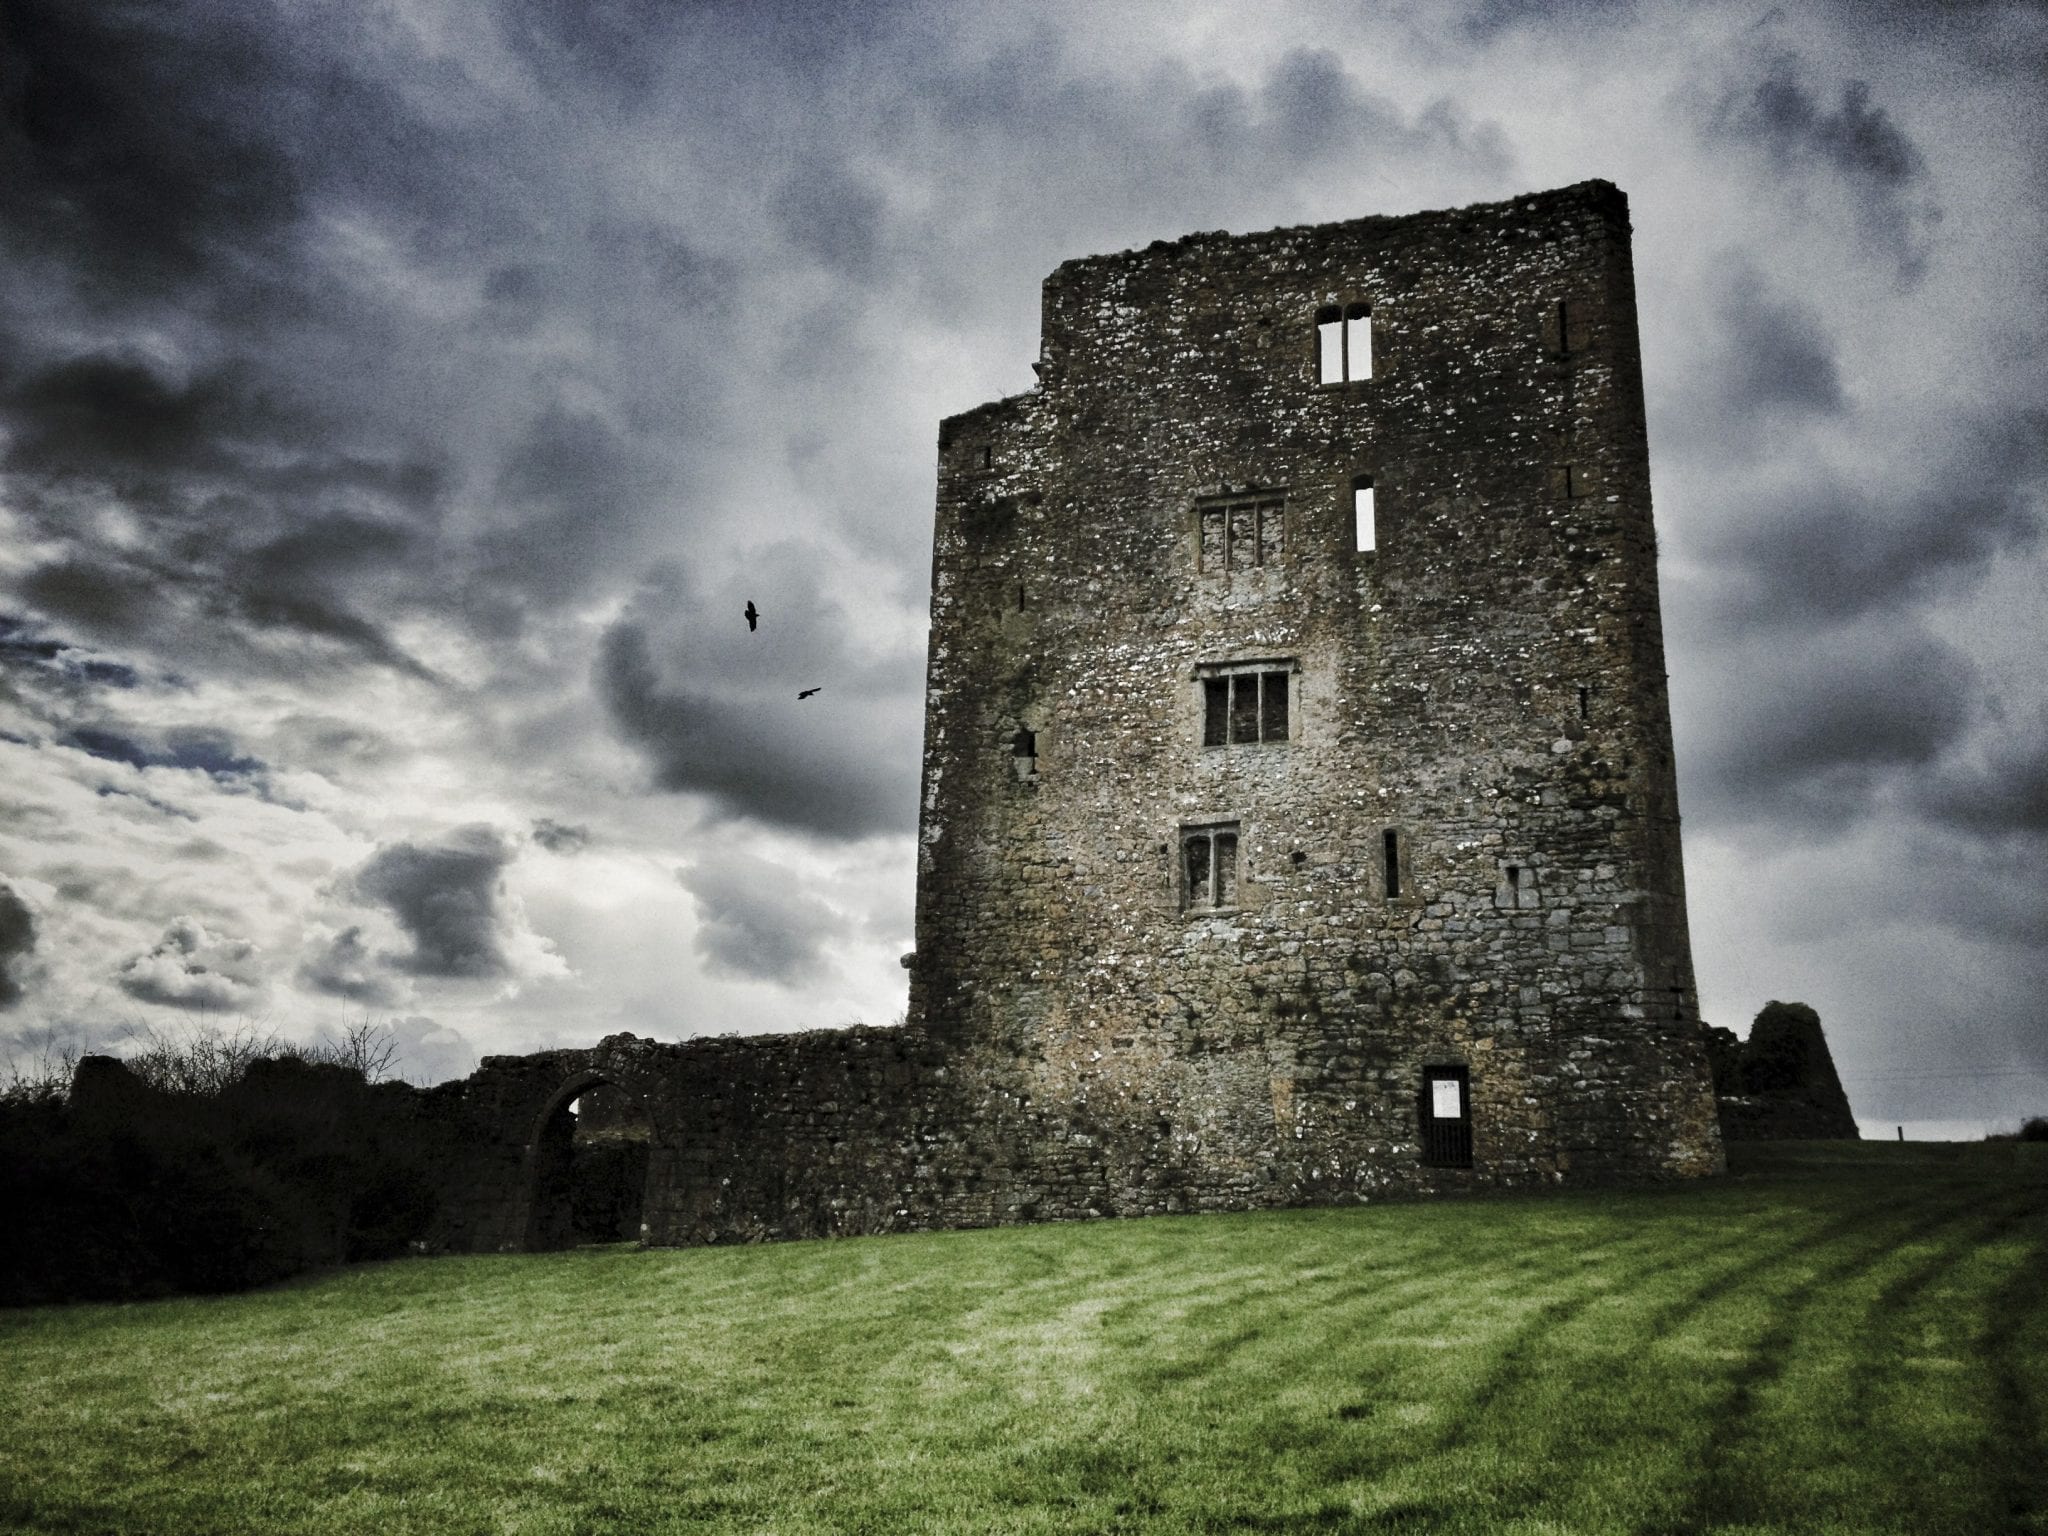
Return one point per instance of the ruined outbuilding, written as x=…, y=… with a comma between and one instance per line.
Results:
x=1779, y=1084
x=1299, y=819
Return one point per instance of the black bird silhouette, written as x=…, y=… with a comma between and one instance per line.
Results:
x=805, y=693
x=753, y=615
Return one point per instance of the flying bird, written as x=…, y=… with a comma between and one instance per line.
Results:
x=805, y=693
x=753, y=615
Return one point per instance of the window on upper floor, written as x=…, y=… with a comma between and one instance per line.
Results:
x=1343, y=344
x=1362, y=514
x=1240, y=533
x=1245, y=703
x=1208, y=861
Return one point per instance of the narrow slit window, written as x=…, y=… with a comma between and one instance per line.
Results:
x=1358, y=342
x=1329, y=346
x=1564, y=335
x=1390, y=858
x=1362, y=513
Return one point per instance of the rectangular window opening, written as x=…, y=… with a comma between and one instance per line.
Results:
x=1390, y=849
x=1238, y=535
x=1246, y=703
x=1362, y=513
x=1209, y=859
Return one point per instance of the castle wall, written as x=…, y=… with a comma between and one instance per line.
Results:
x=1166, y=522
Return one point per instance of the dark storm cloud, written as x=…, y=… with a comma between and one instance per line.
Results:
x=192, y=967
x=755, y=922
x=1777, y=359
x=449, y=897
x=110, y=417
x=1854, y=141
x=28, y=650
x=2002, y=795
x=1816, y=730
x=1830, y=552
x=713, y=706
x=211, y=752
x=571, y=487
x=346, y=967
x=131, y=133
x=17, y=941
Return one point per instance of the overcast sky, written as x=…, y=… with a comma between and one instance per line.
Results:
x=400, y=401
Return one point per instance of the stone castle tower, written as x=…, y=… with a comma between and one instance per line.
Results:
x=1299, y=815
x=1299, y=822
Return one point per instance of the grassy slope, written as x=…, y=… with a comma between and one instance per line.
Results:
x=1849, y=1338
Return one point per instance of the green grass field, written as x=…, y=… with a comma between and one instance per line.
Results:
x=1837, y=1338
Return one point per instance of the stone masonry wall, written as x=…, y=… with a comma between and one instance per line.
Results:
x=1486, y=684
x=1089, y=1033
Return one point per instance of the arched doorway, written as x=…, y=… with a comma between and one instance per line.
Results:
x=590, y=1160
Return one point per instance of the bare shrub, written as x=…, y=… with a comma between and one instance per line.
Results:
x=371, y=1049
x=203, y=1059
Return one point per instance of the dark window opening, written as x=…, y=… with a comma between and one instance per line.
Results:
x=1209, y=858
x=1243, y=708
x=1564, y=335
x=1239, y=535
x=1445, y=1116
x=1585, y=702
x=1390, y=849
x=988, y=457
x=1024, y=754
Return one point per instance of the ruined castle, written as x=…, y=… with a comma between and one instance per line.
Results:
x=1299, y=822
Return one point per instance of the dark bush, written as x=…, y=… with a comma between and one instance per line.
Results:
x=224, y=1180
x=2034, y=1128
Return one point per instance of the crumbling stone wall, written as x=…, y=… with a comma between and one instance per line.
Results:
x=1440, y=839
x=1779, y=1084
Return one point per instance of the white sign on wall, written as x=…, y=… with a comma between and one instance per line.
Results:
x=1443, y=1098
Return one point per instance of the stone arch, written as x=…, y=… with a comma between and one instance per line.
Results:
x=579, y=1184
